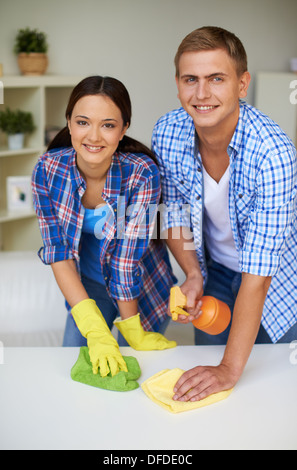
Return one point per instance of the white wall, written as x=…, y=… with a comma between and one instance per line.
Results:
x=136, y=40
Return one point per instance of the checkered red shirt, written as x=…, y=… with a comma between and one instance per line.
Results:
x=133, y=265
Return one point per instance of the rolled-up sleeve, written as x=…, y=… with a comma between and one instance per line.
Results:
x=271, y=220
x=174, y=206
x=55, y=247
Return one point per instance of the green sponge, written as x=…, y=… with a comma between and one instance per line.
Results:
x=121, y=382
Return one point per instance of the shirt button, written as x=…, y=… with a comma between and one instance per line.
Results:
x=199, y=169
x=240, y=196
x=182, y=182
x=198, y=198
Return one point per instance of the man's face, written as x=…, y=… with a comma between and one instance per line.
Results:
x=209, y=89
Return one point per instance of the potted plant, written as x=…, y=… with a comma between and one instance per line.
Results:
x=31, y=47
x=16, y=124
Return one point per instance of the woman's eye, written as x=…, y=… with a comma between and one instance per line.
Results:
x=108, y=125
x=82, y=123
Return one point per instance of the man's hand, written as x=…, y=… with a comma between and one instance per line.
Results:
x=192, y=288
x=200, y=382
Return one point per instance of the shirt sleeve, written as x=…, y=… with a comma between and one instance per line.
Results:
x=174, y=208
x=272, y=217
x=55, y=246
x=133, y=239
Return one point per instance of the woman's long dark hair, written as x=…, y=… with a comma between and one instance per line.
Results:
x=117, y=92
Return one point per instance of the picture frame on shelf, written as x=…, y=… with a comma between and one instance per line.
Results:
x=19, y=194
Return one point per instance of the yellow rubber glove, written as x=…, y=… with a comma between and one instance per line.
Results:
x=103, y=348
x=139, y=339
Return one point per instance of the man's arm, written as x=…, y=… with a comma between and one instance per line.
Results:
x=200, y=382
x=180, y=242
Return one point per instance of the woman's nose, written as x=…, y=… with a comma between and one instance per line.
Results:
x=94, y=134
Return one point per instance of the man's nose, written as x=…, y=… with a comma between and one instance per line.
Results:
x=203, y=90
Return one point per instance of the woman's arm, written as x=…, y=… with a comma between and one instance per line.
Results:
x=69, y=281
x=74, y=292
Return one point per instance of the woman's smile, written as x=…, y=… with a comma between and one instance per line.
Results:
x=96, y=127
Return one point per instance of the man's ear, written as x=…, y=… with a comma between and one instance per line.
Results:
x=176, y=81
x=244, y=82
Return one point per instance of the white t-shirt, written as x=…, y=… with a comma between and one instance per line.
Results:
x=217, y=227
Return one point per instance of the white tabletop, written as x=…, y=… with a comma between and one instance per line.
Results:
x=42, y=408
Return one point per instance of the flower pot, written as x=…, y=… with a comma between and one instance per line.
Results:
x=15, y=141
x=34, y=63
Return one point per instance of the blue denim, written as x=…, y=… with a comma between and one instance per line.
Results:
x=98, y=292
x=224, y=284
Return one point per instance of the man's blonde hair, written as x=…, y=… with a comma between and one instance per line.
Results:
x=210, y=38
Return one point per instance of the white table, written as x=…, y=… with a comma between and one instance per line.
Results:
x=42, y=408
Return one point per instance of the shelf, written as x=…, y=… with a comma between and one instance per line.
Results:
x=6, y=216
x=5, y=152
x=23, y=81
x=46, y=97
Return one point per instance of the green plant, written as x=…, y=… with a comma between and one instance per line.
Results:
x=30, y=40
x=16, y=122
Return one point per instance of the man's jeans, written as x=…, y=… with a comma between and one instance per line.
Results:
x=224, y=285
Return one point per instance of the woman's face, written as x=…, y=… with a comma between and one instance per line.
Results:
x=96, y=127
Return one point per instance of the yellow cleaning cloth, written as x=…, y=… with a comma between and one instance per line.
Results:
x=159, y=388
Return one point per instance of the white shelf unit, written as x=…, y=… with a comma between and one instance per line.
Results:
x=46, y=97
x=274, y=98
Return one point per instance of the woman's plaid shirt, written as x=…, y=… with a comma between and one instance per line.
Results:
x=133, y=265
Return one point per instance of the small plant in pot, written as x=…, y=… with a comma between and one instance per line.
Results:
x=16, y=124
x=31, y=47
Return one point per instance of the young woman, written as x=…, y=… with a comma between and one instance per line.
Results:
x=95, y=193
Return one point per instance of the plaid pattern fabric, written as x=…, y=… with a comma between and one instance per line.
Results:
x=133, y=266
x=262, y=201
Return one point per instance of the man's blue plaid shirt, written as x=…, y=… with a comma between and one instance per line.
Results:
x=133, y=266
x=262, y=201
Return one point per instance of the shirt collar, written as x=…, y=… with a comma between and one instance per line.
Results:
x=190, y=134
x=236, y=140
x=112, y=186
x=76, y=177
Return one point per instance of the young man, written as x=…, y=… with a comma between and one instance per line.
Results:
x=235, y=170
